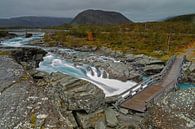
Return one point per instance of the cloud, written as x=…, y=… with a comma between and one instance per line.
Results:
x=138, y=10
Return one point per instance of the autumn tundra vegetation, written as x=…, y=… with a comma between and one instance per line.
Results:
x=158, y=39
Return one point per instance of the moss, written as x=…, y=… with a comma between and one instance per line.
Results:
x=33, y=120
x=5, y=53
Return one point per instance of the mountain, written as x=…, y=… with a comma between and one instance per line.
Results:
x=33, y=21
x=186, y=18
x=100, y=17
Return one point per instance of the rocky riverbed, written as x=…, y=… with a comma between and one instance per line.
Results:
x=35, y=99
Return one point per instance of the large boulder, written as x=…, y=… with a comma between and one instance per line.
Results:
x=111, y=118
x=75, y=93
x=29, y=57
x=153, y=69
x=90, y=120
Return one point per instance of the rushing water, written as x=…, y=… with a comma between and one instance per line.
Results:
x=55, y=63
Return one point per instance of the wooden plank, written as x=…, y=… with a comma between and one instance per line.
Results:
x=139, y=101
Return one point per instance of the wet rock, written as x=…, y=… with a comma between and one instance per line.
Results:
x=111, y=118
x=29, y=57
x=28, y=35
x=90, y=120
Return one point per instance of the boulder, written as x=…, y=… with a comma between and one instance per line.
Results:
x=100, y=125
x=29, y=57
x=130, y=57
x=75, y=93
x=28, y=35
x=90, y=120
x=121, y=71
x=153, y=69
x=191, y=77
x=111, y=118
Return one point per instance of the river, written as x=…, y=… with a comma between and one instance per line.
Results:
x=55, y=63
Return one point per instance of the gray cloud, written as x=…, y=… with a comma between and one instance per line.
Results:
x=137, y=10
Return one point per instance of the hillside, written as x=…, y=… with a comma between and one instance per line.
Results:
x=32, y=21
x=100, y=17
x=185, y=18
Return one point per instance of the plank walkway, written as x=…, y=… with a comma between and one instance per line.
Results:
x=139, y=101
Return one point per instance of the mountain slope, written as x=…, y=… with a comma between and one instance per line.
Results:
x=186, y=18
x=100, y=17
x=32, y=21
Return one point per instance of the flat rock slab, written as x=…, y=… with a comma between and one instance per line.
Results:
x=111, y=118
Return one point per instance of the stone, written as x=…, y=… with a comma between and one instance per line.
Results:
x=153, y=69
x=176, y=111
x=124, y=111
x=100, y=125
x=111, y=118
x=130, y=57
x=90, y=120
x=77, y=94
x=23, y=104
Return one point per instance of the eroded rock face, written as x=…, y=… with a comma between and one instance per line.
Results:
x=175, y=111
x=29, y=57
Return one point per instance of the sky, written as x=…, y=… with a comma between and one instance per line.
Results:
x=135, y=10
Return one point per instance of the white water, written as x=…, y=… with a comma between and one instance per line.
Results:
x=55, y=63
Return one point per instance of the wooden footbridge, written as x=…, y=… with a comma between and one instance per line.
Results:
x=138, y=97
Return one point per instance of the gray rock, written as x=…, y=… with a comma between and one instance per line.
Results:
x=23, y=104
x=118, y=71
x=90, y=120
x=124, y=111
x=111, y=118
x=153, y=69
x=192, y=67
x=176, y=110
x=75, y=93
x=100, y=125
x=191, y=75
x=130, y=57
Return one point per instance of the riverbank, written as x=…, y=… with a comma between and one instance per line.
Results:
x=5, y=35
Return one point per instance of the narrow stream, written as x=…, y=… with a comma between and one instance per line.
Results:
x=55, y=63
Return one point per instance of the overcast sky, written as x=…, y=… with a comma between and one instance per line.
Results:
x=136, y=10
